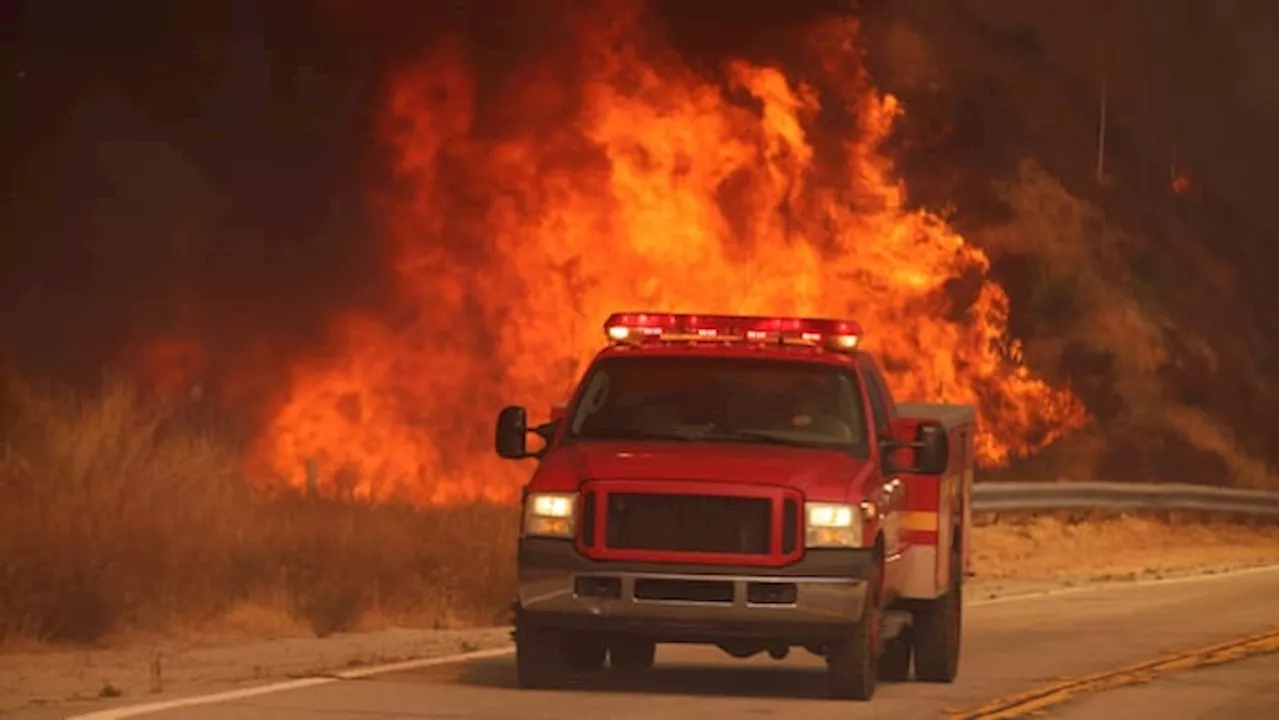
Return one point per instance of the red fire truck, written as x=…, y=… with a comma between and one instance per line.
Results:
x=746, y=482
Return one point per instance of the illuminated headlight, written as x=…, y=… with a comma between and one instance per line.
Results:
x=831, y=525
x=550, y=514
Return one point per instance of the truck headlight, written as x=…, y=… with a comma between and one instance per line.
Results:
x=550, y=514
x=832, y=525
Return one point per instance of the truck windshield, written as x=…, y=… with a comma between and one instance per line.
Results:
x=709, y=399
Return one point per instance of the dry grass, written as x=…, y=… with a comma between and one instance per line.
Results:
x=1101, y=548
x=121, y=515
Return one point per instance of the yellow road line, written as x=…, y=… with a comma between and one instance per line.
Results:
x=1027, y=703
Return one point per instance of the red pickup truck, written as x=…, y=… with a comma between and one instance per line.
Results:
x=746, y=482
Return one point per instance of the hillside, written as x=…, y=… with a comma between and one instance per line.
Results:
x=226, y=202
x=1157, y=307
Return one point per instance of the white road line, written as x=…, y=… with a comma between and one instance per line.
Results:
x=421, y=663
x=130, y=711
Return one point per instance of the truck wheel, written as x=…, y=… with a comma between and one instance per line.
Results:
x=583, y=653
x=895, y=660
x=937, y=632
x=632, y=654
x=852, y=662
x=540, y=658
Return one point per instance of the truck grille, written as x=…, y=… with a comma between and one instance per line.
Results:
x=689, y=523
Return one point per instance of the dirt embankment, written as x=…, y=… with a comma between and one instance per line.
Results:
x=1032, y=551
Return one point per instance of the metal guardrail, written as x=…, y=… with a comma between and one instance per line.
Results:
x=1046, y=497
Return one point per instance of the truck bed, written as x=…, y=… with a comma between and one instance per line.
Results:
x=949, y=415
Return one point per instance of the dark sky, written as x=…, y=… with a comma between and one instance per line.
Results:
x=212, y=161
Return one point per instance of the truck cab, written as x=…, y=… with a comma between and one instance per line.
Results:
x=745, y=482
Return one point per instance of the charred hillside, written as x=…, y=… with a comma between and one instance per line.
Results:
x=1146, y=283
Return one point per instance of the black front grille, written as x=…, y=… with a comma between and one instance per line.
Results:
x=790, y=526
x=589, y=520
x=688, y=523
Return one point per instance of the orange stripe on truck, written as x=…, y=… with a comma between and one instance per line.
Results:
x=919, y=521
x=919, y=527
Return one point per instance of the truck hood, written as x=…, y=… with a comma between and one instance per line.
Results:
x=820, y=473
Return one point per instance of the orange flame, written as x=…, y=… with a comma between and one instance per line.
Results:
x=643, y=186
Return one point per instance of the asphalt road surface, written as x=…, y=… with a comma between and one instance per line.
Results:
x=1010, y=646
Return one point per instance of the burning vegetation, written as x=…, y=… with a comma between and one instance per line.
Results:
x=611, y=174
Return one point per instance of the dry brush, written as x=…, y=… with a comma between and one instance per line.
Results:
x=122, y=513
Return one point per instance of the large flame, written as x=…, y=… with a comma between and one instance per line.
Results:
x=642, y=186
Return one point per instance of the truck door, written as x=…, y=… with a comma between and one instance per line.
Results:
x=892, y=491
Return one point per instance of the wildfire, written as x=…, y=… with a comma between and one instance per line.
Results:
x=644, y=185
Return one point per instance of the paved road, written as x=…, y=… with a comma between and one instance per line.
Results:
x=1240, y=690
x=1011, y=645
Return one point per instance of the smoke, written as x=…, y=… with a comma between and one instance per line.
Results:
x=174, y=179
x=201, y=171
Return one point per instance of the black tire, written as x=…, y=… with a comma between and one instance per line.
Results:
x=937, y=626
x=583, y=653
x=895, y=659
x=540, y=658
x=632, y=654
x=852, y=662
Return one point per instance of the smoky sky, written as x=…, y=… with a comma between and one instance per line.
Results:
x=207, y=166
x=175, y=158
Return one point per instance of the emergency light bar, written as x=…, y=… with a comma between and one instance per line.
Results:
x=639, y=328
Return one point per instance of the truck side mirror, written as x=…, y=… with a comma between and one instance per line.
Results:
x=927, y=452
x=932, y=450
x=509, y=433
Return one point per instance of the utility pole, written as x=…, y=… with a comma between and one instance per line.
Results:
x=1105, y=39
x=1100, y=168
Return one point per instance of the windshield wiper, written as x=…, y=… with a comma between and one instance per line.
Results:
x=635, y=435
x=762, y=437
x=758, y=436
